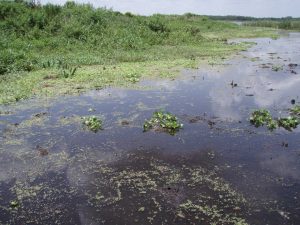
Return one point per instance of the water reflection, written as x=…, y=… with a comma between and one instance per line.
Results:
x=97, y=169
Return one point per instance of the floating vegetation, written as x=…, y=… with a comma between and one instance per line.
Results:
x=162, y=121
x=288, y=123
x=263, y=117
x=295, y=111
x=277, y=68
x=93, y=123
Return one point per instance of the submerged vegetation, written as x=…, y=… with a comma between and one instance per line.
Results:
x=93, y=123
x=43, y=45
x=163, y=121
x=263, y=117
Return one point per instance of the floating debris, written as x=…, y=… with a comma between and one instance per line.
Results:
x=233, y=84
x=42, y=151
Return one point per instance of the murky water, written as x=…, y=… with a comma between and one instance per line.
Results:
x=217, y=170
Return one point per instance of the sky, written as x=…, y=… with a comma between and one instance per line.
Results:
x=255, y=8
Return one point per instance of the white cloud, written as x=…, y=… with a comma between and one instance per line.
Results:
x=259, y=8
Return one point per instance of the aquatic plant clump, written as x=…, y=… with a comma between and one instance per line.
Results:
x=263, y=117
x=288, y=123
x=162, y=121
x=93, y=123
x=295, y=111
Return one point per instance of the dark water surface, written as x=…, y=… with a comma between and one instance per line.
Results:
x=217, y=170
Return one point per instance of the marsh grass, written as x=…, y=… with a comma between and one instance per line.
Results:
x=38, y=42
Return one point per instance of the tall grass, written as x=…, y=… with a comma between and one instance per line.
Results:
x=31, y=35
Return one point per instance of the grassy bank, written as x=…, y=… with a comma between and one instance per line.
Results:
x=67, y=49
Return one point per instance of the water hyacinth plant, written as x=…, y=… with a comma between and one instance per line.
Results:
x=288, y=123
x=263, y=117
x=295, y=111
x=93, y=123
x=163, y=121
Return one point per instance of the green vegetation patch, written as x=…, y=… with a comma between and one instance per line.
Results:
x=163, y=121
x=288, y=123
x=14, y=204
x=93, y=123
x=295, y=111
x=277, y=23
x=263, y=117
x=277, y=68
x=54, y=50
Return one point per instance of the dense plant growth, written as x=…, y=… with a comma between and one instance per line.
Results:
x=263, y=117
x=65, y=31
x=93, y=123
x=163, y=121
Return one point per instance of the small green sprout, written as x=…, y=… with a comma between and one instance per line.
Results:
x=93, y=123
x=14, y=204
x=164, y=122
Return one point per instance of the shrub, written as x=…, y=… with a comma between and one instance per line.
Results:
x=156, y=25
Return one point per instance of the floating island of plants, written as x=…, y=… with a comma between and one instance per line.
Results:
x=93, y=123
x=163, y=122
x=263, y=117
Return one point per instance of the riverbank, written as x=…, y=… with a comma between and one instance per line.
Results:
x=54, y=50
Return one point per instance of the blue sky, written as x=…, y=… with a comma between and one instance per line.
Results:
x=257, y=8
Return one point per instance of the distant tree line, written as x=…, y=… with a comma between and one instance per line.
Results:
x=289, y=23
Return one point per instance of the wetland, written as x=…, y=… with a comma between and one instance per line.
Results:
x=197, y=128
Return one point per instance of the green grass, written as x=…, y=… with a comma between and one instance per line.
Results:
x=54, y=50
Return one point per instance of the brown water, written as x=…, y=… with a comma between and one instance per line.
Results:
x=217, y=170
